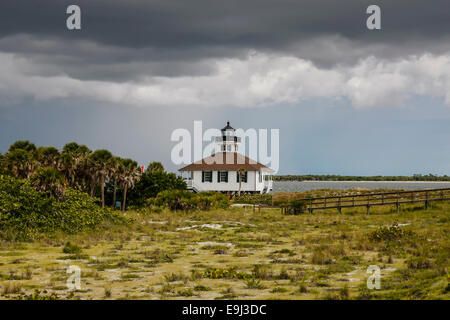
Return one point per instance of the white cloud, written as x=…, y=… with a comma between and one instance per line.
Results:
x=259, y=80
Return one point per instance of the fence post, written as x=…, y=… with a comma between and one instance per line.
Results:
x=339, y=204
x=426, y=200
x=368, y=209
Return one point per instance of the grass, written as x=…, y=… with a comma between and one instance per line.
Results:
x=263, y=255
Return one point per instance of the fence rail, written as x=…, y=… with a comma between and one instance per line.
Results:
x=378, y=199
x=370, y=199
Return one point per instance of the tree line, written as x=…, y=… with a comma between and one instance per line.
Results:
x=98, y=173
x=332, y=177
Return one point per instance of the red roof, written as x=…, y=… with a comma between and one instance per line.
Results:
x=226, y=161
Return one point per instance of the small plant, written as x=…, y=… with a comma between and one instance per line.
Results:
x=108, y=292
x=392, y=233
x=71, y=248
x=38, y=295
x=221, y=250
x=278, y=290
x=186, y=292
x=344, y=293
x=196, y=274
x=220, y=273
x=320, y=257
x=261, y=271
x=159, y=256
x=253, y=283
x=303, y=288
x=240, y=254
x=202, y=288
x=11, y=288
x=420, y=263
x=172, y=277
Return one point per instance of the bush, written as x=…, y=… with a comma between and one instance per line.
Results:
x=391, y=233
x=254, y=199
x=25, y=212
x=188, y=201
x=152, y=182
x=295, y=206
x=71, y=248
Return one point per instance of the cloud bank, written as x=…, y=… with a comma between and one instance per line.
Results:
x=206, y=53
x=258, y=80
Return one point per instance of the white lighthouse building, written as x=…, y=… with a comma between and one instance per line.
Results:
x=222, y=171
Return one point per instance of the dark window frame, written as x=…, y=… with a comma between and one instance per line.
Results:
x=244, y=177
x=204, y=176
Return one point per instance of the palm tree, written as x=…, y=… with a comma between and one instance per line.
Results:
x=48, y=156
x=240, y=172
x=21, y=158
x=2, y=162
x=130, y=175
x=73, y=163
x=99, y=166
x=20, y=163
x=50, y=180
x=155, y=166
x=24, y=145
x=116, y=170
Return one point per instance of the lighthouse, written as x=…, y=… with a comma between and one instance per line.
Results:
x=228, y=141
x=227, y=170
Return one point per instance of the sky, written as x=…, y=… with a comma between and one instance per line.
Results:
x=347, y=100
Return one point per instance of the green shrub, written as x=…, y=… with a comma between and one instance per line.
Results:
x=25, y=213
x=391, y=233
x=71, y=248
x=188, y=201
x=295, y=206
x=254, y=199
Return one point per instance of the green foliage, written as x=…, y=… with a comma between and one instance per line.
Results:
x=254, y=199
x=155, y=166
x=222, y=273
x=153, y=182
x=49, y=180
x=22, y=145
x=71, y=248
x=188, y=201
x=26, y=212
x=294, y=206
x=392, y=233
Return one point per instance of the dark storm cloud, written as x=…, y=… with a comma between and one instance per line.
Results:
x=131, y=39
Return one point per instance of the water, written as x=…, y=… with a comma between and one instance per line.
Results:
x=293, y=186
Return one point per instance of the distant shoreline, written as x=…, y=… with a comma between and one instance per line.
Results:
x=376, y=181
x=339, y=178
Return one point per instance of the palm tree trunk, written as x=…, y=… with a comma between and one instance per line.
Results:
x=103, y=191
x=240, y=181
x=92, y=188
x=124, y=197
x=114, y=192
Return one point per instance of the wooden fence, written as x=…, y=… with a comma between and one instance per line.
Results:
x=368, y=200
x=378, y=199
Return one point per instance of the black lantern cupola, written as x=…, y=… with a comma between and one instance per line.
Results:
x=228, y=142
